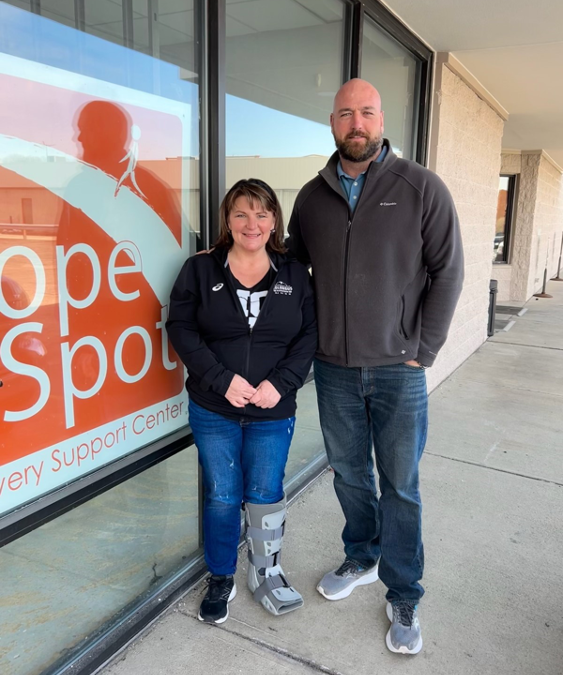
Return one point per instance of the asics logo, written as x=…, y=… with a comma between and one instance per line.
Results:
x=217, y=287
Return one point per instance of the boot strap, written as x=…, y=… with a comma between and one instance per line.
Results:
x=270, y=584
x=265, y=535
x=260, y=561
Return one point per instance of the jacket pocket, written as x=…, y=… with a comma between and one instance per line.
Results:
x=400, y=326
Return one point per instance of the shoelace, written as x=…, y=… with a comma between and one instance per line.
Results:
x=218, y=589
x=348, y=566
x=404, y=611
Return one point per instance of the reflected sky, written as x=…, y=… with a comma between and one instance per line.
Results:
x=252, y=129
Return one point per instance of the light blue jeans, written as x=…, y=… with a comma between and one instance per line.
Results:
x=241, y=462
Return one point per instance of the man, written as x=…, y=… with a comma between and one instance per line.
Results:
x=382, y=237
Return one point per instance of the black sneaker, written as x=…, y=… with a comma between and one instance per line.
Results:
x=214, y=607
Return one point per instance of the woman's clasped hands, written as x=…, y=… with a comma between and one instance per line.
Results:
x=241, y=393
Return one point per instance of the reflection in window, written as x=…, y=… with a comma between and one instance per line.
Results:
x=67, y=578
x=95, y=176
x=396, y=74
x=503, y=219
x=284, y=66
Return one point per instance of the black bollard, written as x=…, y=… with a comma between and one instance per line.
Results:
x=558, y=277
x=543, y=293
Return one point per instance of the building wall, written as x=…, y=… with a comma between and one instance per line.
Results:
x=548, y=224
x=537, y=225
x=465, y=152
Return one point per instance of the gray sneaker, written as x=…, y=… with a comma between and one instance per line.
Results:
x=404, y=636
x=340, y=583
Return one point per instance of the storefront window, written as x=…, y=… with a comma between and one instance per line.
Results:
x=284, y=66
x=65, y=580
x=98, y=211
x=396, y=74
x=504, y=218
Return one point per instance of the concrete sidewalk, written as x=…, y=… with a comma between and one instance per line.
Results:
x=491, y=481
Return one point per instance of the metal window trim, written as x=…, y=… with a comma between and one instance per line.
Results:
x=79, y=15
x=216, y=88
x=127, y=23
x=398, y=30
x=352, y=48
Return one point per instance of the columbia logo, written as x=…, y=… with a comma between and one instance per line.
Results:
x=388, y=203
x=282, y=289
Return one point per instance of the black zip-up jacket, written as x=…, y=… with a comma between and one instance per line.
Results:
x=210, y=333
x=387, y=278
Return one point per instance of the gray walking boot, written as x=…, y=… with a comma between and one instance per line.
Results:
x=266, y=580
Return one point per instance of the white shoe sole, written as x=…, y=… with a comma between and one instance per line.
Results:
x=362, y=581
x=402, y=650
x=223, y=618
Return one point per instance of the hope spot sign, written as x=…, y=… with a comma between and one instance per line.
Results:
x=91, y=239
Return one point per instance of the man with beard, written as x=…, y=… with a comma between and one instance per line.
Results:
x=381, y=234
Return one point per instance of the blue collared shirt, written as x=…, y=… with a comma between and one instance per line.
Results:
x=352, y=187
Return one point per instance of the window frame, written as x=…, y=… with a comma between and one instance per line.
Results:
x=509, y=218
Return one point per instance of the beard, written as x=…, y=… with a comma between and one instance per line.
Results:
x=353, y=151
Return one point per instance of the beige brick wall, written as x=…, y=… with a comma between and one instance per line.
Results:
x=466, y=154
x=537, y=225
x=547, y=224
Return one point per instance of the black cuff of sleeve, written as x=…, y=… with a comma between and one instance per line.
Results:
x=276, y=384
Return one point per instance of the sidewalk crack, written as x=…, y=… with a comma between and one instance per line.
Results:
x=493, y=468
x=302, y=660
x=521, y=344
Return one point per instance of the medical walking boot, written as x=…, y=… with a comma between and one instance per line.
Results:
x=266, y=580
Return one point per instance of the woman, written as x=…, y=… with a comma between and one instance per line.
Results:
x=242, y=320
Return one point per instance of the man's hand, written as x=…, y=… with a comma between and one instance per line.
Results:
x=206, y=250
x=414, y=364
x=240, y=392
x=266, y=395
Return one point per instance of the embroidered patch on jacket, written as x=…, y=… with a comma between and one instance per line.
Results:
x=282, y=289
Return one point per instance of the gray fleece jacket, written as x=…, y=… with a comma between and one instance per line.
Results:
x=387, y=278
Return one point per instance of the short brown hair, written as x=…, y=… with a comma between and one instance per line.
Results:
x=255, y=191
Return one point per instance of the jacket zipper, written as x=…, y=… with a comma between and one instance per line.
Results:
x=346, y=265
x=347, y=251
x=345, y=277
x=246, y=319
x=251, y=328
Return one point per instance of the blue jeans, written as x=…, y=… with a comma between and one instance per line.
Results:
x=241, y=462
x=384, y=406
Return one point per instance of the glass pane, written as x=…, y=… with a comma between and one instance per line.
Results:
x=98, y=211
x=499, y=253
x=284, y=62
x=396, y=75
x=284, y=66
x=65, y=580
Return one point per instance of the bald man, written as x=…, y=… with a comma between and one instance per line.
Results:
x=381, y=234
